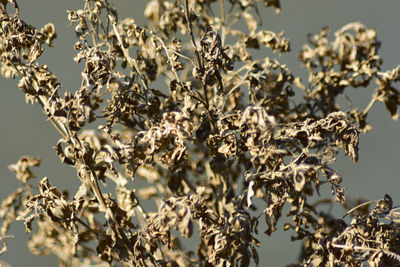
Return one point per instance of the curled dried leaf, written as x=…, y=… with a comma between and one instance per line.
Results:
x=22, y=168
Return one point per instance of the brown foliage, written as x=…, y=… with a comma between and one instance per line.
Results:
x=223, y=131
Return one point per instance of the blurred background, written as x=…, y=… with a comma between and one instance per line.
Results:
x=25, y=131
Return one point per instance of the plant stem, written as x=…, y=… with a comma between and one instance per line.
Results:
x=92, y=30
x=131, y=61
x=190, y=29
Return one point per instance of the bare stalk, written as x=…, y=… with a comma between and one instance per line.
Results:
x=131, y=61
x=91, y=25
x=190, y=29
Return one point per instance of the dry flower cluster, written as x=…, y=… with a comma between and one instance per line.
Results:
x=224, y=130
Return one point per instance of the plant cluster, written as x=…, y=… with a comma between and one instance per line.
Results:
x=184, y=105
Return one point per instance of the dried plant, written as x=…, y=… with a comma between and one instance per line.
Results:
x=223, y=130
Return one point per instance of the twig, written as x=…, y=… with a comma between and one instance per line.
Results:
x=92, y=30
x=196, y=51
x=222, y=10
x=359, y=206
x=392, y=254
x=189, y=183
x=131, y=61
x=190, y=29
x=118, y=229
x=168, y=56
x=61, y=128
x=86, y=226
x=223, y=28
x=370, y=104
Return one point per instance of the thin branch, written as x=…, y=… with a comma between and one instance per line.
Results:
x=91, y=25
x=223, y=22
x=190, y=29
x=131, y=61
x=168, y=56
x=61, y=128
x=99, y=196
x=358, y=206
x=222, y=10
x=86, y=226
x=346, y=247
x=199, y=62
x=370, y=104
